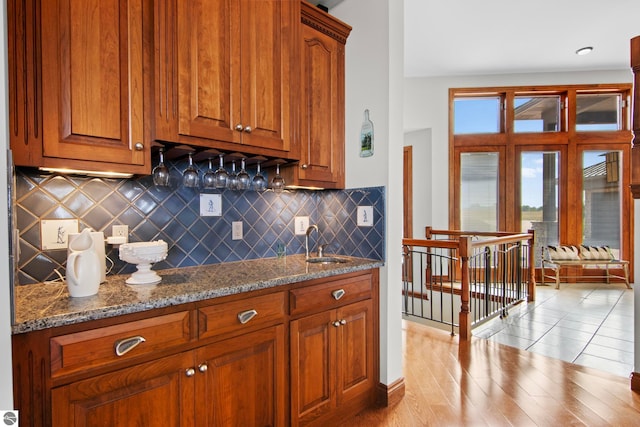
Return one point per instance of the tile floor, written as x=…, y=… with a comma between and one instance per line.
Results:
x=588, y=324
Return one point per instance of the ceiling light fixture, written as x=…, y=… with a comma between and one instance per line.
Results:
x=584, y=50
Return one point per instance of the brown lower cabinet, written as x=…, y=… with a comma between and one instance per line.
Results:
x=239, y=382
x=331, y=363
x=302, y=354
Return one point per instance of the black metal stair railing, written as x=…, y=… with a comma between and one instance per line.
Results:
x=461, y=282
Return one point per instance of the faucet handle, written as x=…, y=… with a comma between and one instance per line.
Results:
x=321, y=249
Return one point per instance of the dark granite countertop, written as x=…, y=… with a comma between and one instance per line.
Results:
x=41, y=306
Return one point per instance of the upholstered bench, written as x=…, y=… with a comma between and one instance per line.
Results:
x=556, y=257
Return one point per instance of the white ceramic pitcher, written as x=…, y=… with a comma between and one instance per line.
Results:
x=83, y=266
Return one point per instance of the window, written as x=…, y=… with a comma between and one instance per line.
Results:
x=536, y=114
x=539, y=196
x=479, y=193
x=601, y=199
x=598, y=112
x=557, y=161
x=477, y=115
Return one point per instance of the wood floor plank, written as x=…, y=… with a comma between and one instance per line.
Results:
x=482, y=383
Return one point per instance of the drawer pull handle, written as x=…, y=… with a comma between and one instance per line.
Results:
x=338, y=294
x=245, y=316
x=125, y=345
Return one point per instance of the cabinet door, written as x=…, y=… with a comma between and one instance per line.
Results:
x=230, y=67
x=265, y=30
x=92, y=66
x=322, y=115
x=355, y=353
x=159, y=393
x=25, y=96
x=313, y=346
x=208, y=34
x=241, y=381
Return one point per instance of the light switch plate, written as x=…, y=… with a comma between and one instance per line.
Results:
x=301, y=224
x=236, y=230
x=210, y=204
x=365, y=216
x=54, y=233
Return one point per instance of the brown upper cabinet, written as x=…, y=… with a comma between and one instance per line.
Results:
x=321, y=142
x=76, y=84
x=223, y=74
x=93, y=83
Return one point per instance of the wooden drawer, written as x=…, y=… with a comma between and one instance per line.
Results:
x=98, y=347
x=240, y=315
x=330, y=294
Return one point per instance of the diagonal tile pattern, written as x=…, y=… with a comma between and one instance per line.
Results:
x=173, y=214
x=588, y=324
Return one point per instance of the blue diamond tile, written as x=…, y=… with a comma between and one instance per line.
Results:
x=172, y=214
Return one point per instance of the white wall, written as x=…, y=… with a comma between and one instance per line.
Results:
x=374, y=70
x=6, y=383
x=426, y=107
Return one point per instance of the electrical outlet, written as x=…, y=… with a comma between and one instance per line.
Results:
x=236, y=230
x=120, y=231
x=301, y=223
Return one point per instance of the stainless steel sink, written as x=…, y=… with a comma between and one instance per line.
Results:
x=327, y=260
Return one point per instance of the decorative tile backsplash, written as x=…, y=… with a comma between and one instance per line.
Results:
x=173, y=215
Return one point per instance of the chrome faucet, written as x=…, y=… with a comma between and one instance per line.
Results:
x=306, y=238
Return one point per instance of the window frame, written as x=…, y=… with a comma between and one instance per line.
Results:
x=569, y=142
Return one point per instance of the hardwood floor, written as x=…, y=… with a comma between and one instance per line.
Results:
x=483, y=383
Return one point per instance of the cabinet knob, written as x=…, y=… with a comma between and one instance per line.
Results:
x=304, y=166
x=248, y=129
x=203, y=367
x=239, y=127
x=190, y=372
x=343, y=322
x=336, y=323
x=125, y=345
x=139, y=146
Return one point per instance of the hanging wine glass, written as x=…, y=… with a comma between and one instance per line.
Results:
x=209, y=177
x=161, y=172
x=232, y=179
x=244, y=180
x=259, y=182
x=277, y=183
x=221, y=174
x=190, y=175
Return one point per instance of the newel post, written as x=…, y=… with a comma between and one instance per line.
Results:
x=531, y=290
x=465, y=294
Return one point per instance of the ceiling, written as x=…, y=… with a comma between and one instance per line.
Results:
x=469, y=37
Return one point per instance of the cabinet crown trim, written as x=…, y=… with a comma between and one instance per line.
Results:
x=324, y=23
